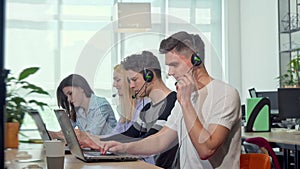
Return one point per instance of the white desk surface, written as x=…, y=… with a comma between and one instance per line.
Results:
x=37, y=152
x=277, y=135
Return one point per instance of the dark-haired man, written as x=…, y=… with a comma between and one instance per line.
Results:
x=145, y=79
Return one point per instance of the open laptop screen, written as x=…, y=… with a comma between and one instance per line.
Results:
x=69, y=132
x=75, y=148
x=40, y=124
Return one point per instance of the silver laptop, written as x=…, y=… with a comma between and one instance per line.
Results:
x=35, y=115
x=85, y=155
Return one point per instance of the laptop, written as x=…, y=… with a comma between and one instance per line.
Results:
x=35, y=115
x=82, y=154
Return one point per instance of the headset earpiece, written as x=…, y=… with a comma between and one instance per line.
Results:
x=148, y=75
x=196, y=60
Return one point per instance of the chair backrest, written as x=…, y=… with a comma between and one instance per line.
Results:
x=255, y=161
x=251, y=148
x=261, y=142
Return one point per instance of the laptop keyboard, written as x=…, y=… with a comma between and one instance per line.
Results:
x=95, y=153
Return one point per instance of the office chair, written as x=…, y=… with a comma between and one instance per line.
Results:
x=251, y=148
x=263, y=144
x=255, y=161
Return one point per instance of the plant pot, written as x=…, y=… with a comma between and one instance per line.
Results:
x=291, y=86
x=11, y=135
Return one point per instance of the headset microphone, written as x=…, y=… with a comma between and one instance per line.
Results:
x=134, y=96
x=114, y=95
x=187, y=72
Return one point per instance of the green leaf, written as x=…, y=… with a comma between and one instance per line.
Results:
x=40, y=92
x=40, y=104
x=18, y=100
x=35, y=89
x=9, y=79
x=27, y=72
x=31, y=86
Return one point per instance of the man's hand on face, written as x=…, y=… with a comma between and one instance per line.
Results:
x=185, y=86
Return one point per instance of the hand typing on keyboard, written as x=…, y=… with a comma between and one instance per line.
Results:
x=88, y=140
x=113, y=146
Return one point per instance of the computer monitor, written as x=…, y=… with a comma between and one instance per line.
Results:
x=289, y=103
x=273, y=97
x=252, y=93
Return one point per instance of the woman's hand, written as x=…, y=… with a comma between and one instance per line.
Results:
x=56, y=135
x=87, y=140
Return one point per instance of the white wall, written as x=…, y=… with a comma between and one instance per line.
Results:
x=232, y=43
x=259, y=59
x=259, y=45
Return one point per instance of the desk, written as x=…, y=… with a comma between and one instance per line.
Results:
x=282, y=138
x=37, y=152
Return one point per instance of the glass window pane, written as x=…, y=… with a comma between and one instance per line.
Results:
x=64, y=37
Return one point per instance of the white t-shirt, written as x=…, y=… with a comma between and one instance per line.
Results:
x=216, y=103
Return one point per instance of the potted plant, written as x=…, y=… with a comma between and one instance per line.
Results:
x=292, y=77
x=18, y=103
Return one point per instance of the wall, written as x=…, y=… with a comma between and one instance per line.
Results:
x=232, y=44
x=259, y=62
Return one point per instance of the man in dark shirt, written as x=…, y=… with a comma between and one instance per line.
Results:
x=145, y=79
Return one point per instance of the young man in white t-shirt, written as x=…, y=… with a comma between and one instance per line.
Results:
x=206, y=118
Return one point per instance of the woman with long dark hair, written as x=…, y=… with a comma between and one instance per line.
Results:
x=86, y=110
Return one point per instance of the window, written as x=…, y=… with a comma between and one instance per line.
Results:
x=64, y=37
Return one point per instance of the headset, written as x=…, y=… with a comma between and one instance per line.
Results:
x=148, y=76
x=195, y=59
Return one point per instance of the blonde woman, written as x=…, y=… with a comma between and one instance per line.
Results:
x=129, y=107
